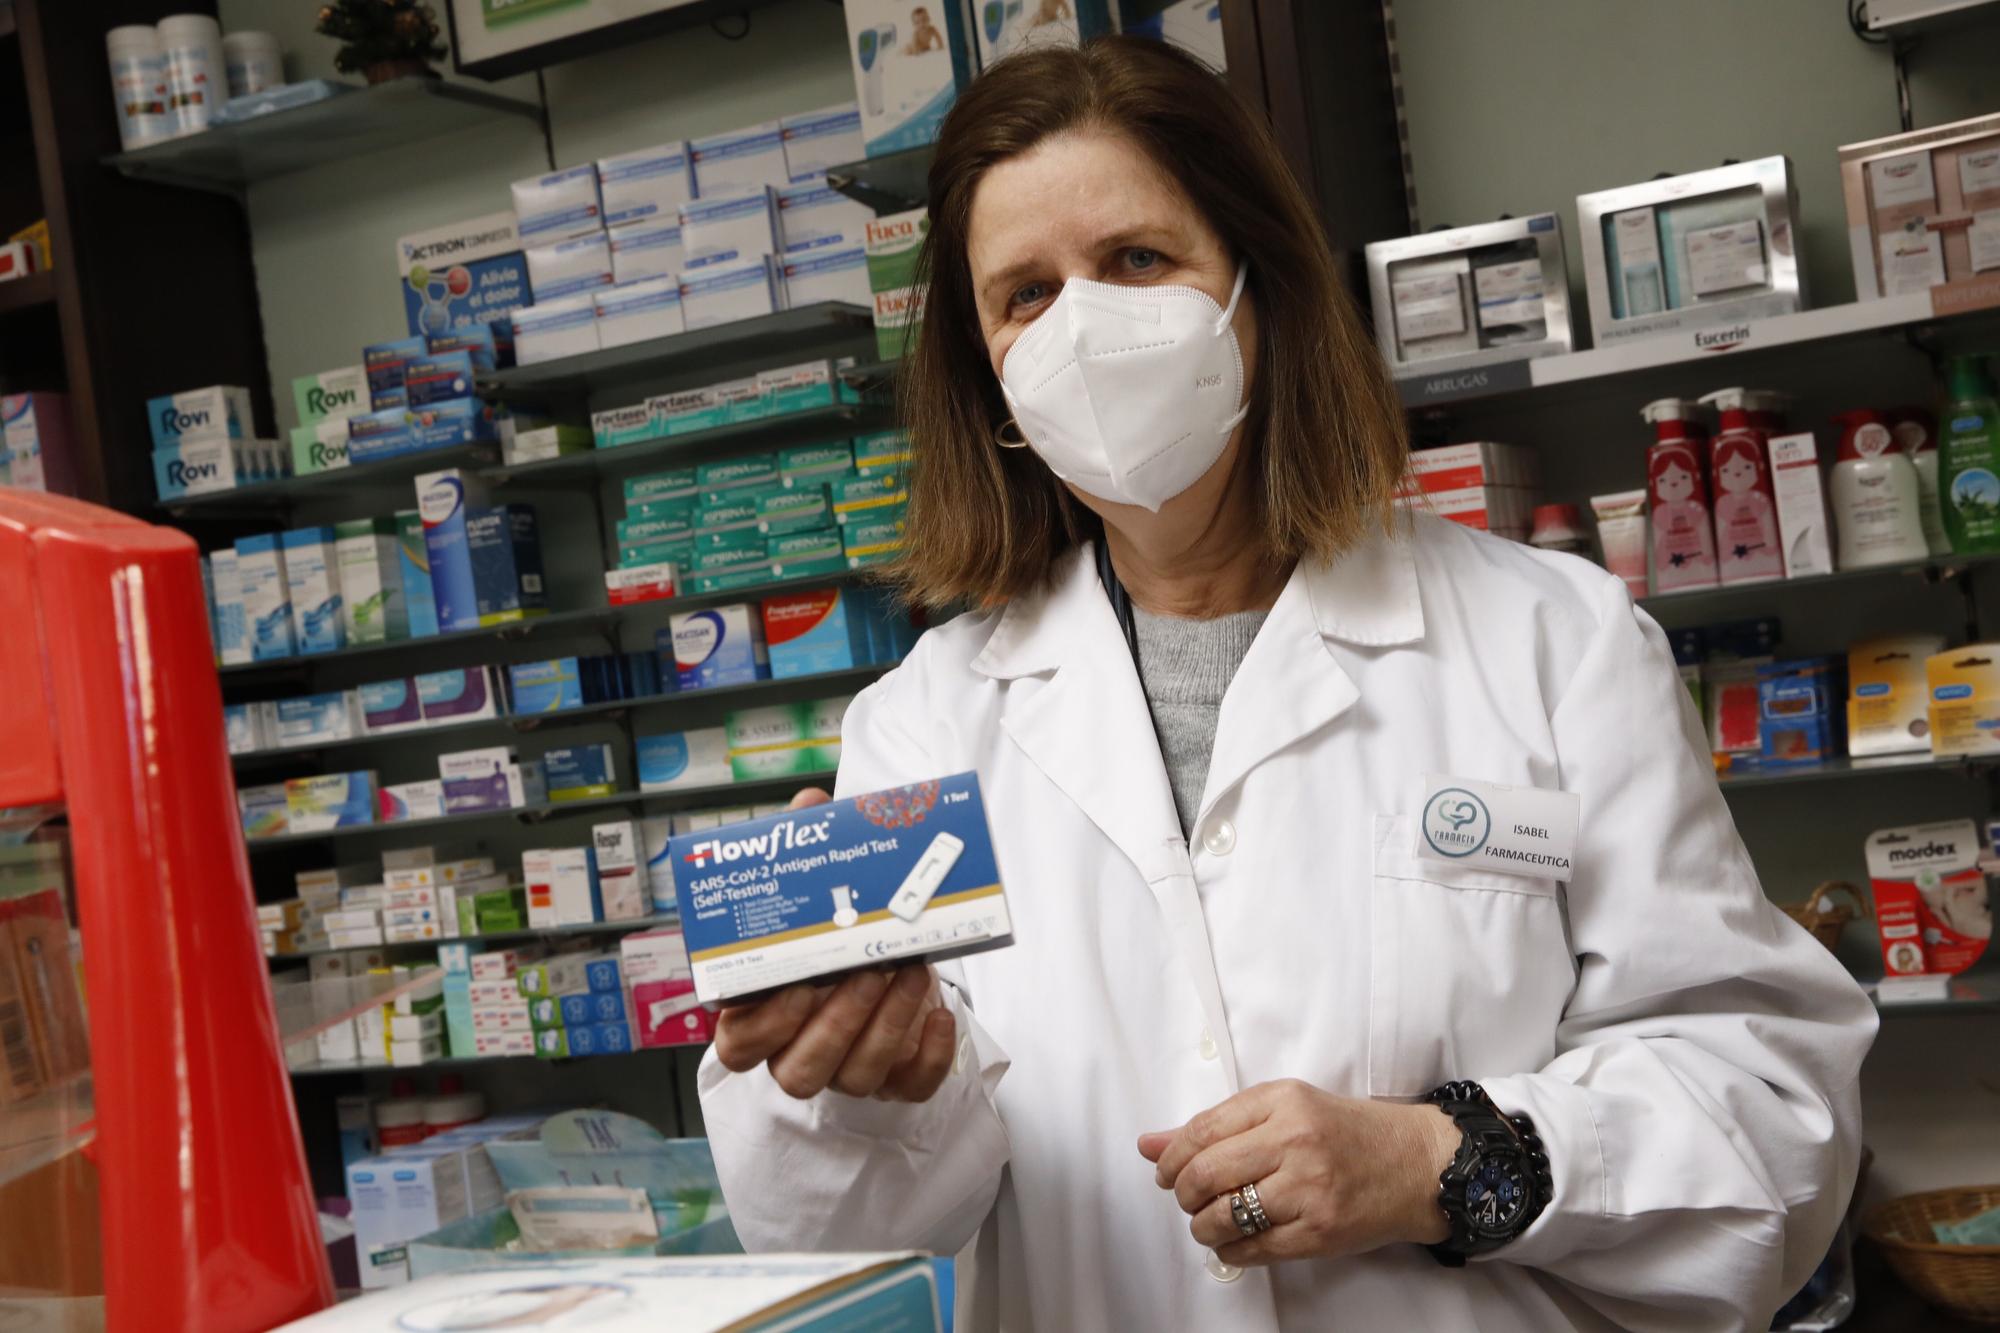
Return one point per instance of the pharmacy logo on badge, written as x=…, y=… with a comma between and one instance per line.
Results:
x=1456, y=823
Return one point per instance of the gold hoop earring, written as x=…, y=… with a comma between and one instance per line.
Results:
x=1016, y=441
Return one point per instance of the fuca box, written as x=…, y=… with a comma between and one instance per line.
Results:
x=889, y=877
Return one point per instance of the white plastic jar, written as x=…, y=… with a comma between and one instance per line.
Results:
x=399, y=1122
x=254, y=60
x=139, y=85
x=197, y=80
x=449, y=1110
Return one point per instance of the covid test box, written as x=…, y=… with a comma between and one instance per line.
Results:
x=892, y=876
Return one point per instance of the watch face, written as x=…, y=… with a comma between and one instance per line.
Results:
x=1496, y=1194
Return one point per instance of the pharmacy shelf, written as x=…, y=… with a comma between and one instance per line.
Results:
x=357, y=123
x=1682, y=608
x=677, y=798
x=1974, y=992
x=357, y=480
x=34, y=292
x=1954, y=325
x=1835, y=770
x=494, y=938
x=814, y=424
x=556, y=624
x=573, y=623
x=893, y=183
x=526, y=723
x=823, y=328
x=461, y=1061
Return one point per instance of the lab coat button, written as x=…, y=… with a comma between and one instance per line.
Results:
x=1220, y=1271
x=1209, y=1050
x=1220, y=840
x=964, y=1056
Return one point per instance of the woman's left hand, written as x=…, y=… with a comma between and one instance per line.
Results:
x=1336, y=1175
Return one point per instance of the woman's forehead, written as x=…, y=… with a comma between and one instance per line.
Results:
x=1071, y=192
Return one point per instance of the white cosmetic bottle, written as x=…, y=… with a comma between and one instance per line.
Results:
x=1875, y=508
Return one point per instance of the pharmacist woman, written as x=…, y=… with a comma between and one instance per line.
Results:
x=1385, y=956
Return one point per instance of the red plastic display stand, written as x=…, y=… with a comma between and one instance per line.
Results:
x=109, y=706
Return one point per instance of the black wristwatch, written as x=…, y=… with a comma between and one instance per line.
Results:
x=1498, y=1181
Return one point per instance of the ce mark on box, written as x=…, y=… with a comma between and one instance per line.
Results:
x=1527, y=831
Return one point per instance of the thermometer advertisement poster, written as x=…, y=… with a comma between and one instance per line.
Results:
x=866, y=881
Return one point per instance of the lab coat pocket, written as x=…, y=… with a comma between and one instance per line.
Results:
x=1469, y=969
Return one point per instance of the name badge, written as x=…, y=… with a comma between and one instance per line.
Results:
x=1516, y=830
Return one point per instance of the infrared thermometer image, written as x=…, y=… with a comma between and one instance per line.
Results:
x=924, y=877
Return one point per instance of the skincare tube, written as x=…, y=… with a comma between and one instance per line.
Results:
x=1621, y=531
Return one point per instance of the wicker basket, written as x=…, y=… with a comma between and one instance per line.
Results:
x=1824, y=918
x=1963, y=1280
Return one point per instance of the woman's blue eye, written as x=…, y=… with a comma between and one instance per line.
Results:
x=1142, y=259
x=1030, y=294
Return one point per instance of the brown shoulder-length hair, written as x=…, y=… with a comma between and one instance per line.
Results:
x=1325, y=428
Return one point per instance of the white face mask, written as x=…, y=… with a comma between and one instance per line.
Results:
x=1129, y=393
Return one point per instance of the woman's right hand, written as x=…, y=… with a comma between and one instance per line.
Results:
x=882, y=1034
x=876, y=1034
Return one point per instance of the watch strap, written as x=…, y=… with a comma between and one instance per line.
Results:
x=1485, y=1130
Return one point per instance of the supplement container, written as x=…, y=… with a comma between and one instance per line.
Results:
x=254, y=62
x=139, y=85
x=196, y=78
x=400, y=1122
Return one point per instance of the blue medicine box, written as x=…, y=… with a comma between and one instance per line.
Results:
x=546, y=687
x=1802, y=712
x=579, y=772
x=384, y=363
x=822, y=629
x=437, y=376
x=506, y=555
x=602, y=976
x=372, y=436
x=448, y=421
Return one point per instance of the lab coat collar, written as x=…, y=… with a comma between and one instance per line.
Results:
x=1367, y=597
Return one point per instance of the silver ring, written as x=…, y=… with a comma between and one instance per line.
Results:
x=1239, y=1212
x=1255, y=1207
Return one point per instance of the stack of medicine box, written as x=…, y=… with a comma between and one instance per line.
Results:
x=496, y=1010
x=1481, y=484
x=557, y=683
x=461, y=966
x=317, y=589
x=577, y=1005
x=485, y=559
x=325, y=401
x=410, y=1192
x=870, y=505
x=413, y=1022
x=421, y=393
x=784, y=740
x=203, y=442
x=490, y=778
x=659, y=983
x=574, y=886
x=420, y=897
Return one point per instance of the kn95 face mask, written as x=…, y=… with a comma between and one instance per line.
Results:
x=1128, y=393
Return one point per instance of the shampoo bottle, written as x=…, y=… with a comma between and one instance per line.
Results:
x=1915, y=430
x=1746, y=513
x=1875, y=512
x=1676, y=478
x=1969, y=461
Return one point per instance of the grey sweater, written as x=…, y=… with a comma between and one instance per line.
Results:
x=1185, y=667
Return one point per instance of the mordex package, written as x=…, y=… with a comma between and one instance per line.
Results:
x=1930, y=897
x=891, y=876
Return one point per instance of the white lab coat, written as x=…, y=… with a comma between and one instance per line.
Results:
x=1688, y=1055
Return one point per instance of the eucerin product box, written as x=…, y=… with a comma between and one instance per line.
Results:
x=727, y=228
x=1795, y=485
x=891, y=876
x=907, y=69
x=461, y=276
x=642, y=310
x=553, y=329
x=329, y=800
x=320, y=447
x=371, y=584
x=837, y=274
x=739, y=161
x=232, y=629
x=698, y=758
x=565, y=268
x=649, y=183
x=313, y=585
x=464, y=694
x=389, y=705
x=642, y=250
x=221, y=412
x=816, y=140
x=331, y=394
x=1923, y=211
x=721, y=645
x=817, y=217
x=721, y=293
x=558, y=205
x=267, y=606
x=444, y=499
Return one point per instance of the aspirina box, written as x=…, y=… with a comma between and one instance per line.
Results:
x=1930, y=897
x=891, y=876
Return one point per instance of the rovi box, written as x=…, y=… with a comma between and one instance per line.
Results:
x=889, y=877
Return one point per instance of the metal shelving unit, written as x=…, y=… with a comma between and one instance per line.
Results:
x=820, y=423
x=489, y=939
x=355, y=123
x=356, y=481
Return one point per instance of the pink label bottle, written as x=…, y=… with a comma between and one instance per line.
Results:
x=1676, y=480
x=1747, y=546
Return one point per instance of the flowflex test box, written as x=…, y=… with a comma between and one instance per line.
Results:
x=891, y=876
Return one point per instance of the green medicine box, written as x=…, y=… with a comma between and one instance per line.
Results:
x=749, y=577
x=670, y=528
x=874, y=542
x=799, y=509
x=815, y=463
x=882, y=450
x=730, y=474
x=682, y=508
x=677, y=484
x=656, y=553
x=804, y=545
x=863, y=499
x=809, y=567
